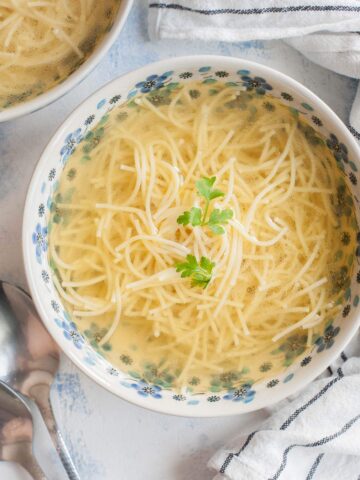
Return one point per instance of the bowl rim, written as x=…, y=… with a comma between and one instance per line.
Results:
x=50, y=96
x=176, y=408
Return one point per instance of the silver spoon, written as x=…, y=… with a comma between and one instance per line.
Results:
x=16, y=433
x=29, y=360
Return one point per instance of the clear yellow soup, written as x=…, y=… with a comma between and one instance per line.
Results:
x=43, y=42
x=202, y=236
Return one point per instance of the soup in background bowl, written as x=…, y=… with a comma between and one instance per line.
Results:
x=202, y=150
x=47, y=48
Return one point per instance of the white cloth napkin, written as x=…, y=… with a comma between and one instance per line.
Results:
x=313, y=435
x=325, y=31
x=316, y=434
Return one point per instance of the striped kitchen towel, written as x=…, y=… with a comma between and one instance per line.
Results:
x=325, y=31
x=312, y=435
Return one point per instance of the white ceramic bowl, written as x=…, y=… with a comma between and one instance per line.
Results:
x=76, y=77
x=156, y=393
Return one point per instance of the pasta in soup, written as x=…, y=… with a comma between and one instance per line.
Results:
x=196, y=231
x=43, y=41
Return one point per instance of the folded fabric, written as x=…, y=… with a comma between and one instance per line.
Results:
x=315, y=434
x=325, y=31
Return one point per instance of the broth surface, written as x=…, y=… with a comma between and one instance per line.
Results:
x=43, y=42
x=281, y=260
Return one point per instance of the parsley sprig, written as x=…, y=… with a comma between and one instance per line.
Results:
x=198, y=217
x=200, y=273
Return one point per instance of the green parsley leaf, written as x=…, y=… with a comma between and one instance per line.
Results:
x=218, y=218
x=206, y=264
x=216, y=194
x=193, y=217
x=204, y=188
x=200, y=273
x=198, y=217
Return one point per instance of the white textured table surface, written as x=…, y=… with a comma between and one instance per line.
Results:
x=108, y=438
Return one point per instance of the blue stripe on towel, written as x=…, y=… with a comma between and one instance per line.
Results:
x=354, y=132
x=318, y=443
x=288, y=422
x=314, y=467
x=343, y=355
x=258, y=11
x=297, y=412
x=231, y=455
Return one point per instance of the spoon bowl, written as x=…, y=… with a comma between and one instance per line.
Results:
x=16, y=432
x=26, y=348
x=29, y=359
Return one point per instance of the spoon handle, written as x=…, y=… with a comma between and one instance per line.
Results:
x=49, y=418
x=41, y=395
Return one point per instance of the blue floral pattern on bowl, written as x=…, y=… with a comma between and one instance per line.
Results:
x=39, y=239
x=233, y=389
x=258, y=84
x=71, y=332
x=327, y=340
x=339, y=150
x=243, y=394
x=144, y=389
x=71, y=141
x=153, y=82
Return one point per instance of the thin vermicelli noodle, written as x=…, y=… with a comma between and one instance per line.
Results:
x=43, y=42
x=115, y=237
